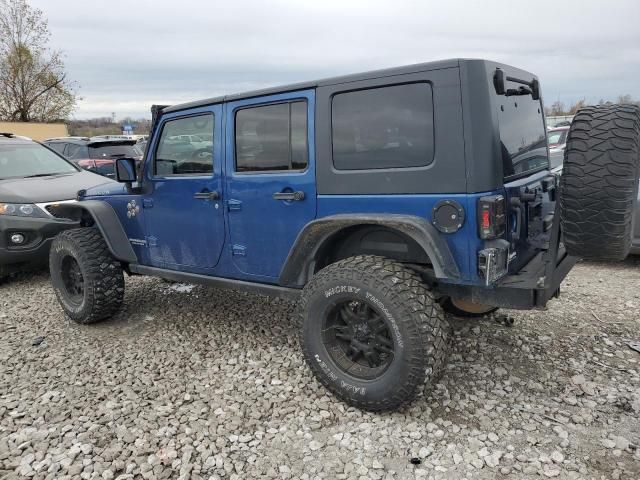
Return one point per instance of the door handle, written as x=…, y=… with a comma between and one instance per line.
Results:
x=207, y=195
x=291, y=196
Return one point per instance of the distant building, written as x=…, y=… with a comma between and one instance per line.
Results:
x=37, y=131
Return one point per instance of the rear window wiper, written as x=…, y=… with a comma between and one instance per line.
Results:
x=530, y=88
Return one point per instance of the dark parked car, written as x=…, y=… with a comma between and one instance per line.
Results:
x=96, y=153
x=32, y=179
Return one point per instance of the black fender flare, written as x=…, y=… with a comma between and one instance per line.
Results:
x=109, y=225
x=303, y=253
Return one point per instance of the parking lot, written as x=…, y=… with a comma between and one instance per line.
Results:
x=192, y=382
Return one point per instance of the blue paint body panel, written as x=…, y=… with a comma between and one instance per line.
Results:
x=261, y=229
x=183, y=232
x=463, y=244
x=246, y=234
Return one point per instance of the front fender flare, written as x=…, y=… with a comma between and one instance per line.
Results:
x=303, y=254
x=109, y=225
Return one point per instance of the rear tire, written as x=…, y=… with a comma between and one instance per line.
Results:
x=599, y=185
x=372, y=333
x=87, y=280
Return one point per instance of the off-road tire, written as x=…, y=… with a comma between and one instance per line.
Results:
x=420, y=330
x=599, y=185
x=102, y=276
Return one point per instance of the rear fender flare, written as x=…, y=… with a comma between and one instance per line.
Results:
x=298, y=267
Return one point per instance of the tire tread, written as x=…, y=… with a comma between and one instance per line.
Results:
x=599, y=183
x=102, y=271
x=426, y=322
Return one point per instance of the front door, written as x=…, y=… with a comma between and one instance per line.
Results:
x=183, y=192
x=271, y=190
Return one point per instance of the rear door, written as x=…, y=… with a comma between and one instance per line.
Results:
x=271, y=189
x=525, y=161
x=183, y=188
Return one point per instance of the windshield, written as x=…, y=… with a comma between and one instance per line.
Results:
x=113, y=151
x=31, y=159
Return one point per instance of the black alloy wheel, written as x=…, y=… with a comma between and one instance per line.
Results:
x=358, y=339
x=72, y=279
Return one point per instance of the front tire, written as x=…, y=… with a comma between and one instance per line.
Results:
x=87, y=280
x=372, y=333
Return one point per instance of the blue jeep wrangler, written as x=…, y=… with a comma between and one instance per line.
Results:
x=378, y=201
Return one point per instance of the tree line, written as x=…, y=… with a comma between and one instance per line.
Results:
x=559, y=108
x=106, y=126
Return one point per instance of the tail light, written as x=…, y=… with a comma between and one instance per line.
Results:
x=491, y=217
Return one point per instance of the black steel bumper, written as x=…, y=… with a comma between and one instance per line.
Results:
x=532, y=287
x=38, y=232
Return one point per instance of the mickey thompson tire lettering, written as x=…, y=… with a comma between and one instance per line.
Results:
x=599, y=185
x=102, y=275
x=415, y=322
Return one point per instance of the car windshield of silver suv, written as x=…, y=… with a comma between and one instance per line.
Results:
x=31, y=160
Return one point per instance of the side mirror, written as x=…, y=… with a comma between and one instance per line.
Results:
x=126, y=170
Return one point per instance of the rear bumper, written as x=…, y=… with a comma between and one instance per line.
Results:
x=39, y=233
x=532, y=287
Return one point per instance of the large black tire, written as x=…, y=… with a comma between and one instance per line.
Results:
x=87, y=280
x=407, y=319
x=599, y=185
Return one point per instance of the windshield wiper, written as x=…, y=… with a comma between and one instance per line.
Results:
x=44, y=175
x=531, y=88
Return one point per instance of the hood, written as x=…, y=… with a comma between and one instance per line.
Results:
x=110, y=188
x=49, y=189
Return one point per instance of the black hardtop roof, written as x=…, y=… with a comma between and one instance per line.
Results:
x=387, y=72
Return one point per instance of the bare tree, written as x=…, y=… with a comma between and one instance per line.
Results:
x=33, y=83
x=557, y=108
x=577, y=106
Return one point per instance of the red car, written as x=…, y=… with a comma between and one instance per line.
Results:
x=96, y=154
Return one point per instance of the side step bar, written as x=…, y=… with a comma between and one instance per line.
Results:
x=225, y=283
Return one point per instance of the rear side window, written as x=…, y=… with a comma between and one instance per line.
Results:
x=386, y=127
x=75, y=152
x=272, y=138
x=58, y=147
x=108, y=151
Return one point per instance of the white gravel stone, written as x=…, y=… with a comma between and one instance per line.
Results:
x=557, y=456
x=206, y=384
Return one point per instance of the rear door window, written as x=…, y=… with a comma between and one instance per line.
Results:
x=523, y=139
x=385, y=127
x=272, y=138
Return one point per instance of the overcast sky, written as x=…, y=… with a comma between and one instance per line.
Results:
x=127, y=55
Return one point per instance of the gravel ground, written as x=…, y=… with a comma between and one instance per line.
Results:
x=190, y=382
